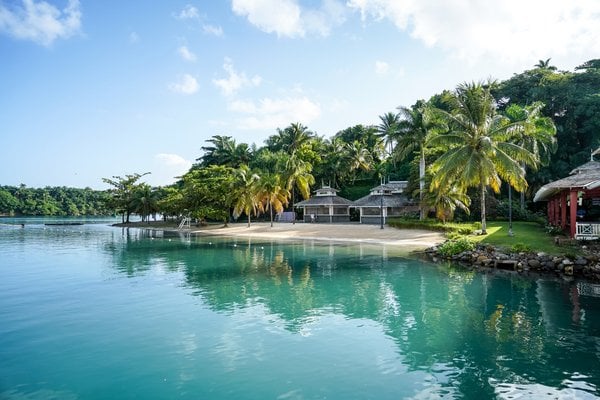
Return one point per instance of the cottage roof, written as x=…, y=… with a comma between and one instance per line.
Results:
x=374, y=200
x=324, y=201
x=585, y=177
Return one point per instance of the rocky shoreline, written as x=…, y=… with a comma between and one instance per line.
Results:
x=585, y=266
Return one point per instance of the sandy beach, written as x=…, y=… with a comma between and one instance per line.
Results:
x=410, y=239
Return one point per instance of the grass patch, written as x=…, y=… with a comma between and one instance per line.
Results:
x=526, y=235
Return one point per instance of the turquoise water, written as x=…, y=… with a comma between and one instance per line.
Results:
x=96, y=312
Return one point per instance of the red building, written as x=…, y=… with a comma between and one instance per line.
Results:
x=574, y=201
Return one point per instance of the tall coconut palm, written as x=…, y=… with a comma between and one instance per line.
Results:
x=480, y=148
x=246, y=193
x=272, y=193
x=358, y=157
x=290, y=139
x=298, y=176
x=225, y=151
x=389, y=130
x=415, y=126
x=538, y=133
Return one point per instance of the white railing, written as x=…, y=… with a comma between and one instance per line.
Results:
x=587, y=231
x=185, y=221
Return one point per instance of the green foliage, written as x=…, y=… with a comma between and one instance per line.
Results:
x=520, y=248
x=53, y=201
x=432, y=225
x=456, y=246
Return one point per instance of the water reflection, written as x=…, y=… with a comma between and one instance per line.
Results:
x=481, y=335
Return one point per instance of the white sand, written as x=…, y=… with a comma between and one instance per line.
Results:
x=413, y=239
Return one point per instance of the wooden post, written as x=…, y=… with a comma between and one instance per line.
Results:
x=573, y=212
x=563, y=210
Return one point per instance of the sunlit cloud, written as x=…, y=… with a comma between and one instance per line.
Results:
x=40, y=21
x=186, y=85
x=188, y=12
x=269, y=113
x=235, y=80
x=212, y=30
x=288, y=18
x=186, y=54
x=511, y=30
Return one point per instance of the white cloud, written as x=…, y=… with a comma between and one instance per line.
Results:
x=40, y=21
x=235, y=80
x=270, y=113
x=167, y=167
x=186, y=85
x=512, y=30
x=381, y=67
x=288, y=18
x=188, y=12
x=212, y=30
x=186, y=54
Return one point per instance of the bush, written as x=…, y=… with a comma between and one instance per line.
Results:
x=520, y=248
x=456, y=246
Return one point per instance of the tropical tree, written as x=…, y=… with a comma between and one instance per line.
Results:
x=446, y=199
x=537, y=134
x=144, y=201
x=389, y=130
x=122, y=193
x=298, y=176
x=415, y=126
x=246, y=193
x=272, y=193
x=225, y=151
x=480, y=145
x=545, y=64
x=290, y=139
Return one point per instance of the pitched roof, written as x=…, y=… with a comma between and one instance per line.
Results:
x=374, y=200
x=324, y=201
x=586, y=176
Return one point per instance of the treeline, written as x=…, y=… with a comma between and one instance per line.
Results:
x=456, y=149
x=53, y=201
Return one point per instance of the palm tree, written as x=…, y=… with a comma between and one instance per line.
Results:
x=538, y=133
x=480, y=148
x=144, y=201
x=298, y=176
x=272, y=193
x=545, y=64
x=358, y=157
x=415, y=126
x=290, y=139
x=246, y=188
x=389, y=129
x=445, y=200
x=225, y=151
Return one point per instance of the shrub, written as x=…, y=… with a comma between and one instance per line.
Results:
x=456, y=246
x=520, y=248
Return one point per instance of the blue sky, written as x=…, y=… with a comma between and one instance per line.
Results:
x=92, y=89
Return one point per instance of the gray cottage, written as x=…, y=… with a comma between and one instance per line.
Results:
x=326, y=206
x=386, y=200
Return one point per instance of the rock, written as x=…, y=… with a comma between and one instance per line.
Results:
x=568, y=270
x=533, y=263
x=566, y=261
x=501, y=256
x=581, y=261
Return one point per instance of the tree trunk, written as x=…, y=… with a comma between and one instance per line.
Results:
x=271, y=212
x=522, y=200
x=248, y=219
x=483, y=225
x=421, y=184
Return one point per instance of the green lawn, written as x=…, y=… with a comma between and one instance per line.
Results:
x=529, y=234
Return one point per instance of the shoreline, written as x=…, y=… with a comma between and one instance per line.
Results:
x=404, y=239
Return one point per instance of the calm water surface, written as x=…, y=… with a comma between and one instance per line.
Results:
x=95, y=312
